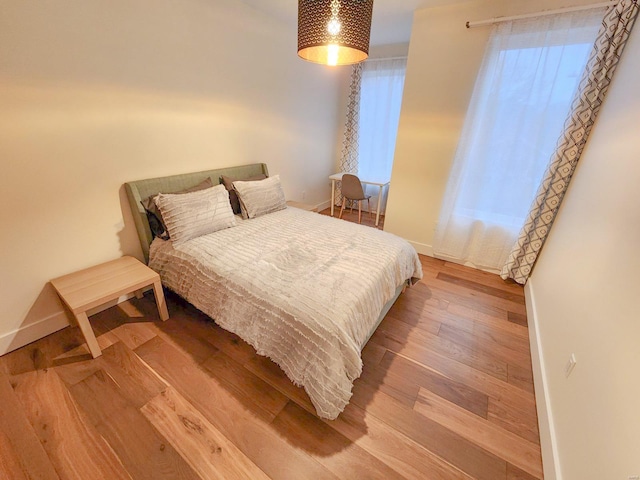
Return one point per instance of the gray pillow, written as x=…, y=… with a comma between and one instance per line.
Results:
x=233, y=196
x=261, y=197
x=191, y=215
x=156, y=223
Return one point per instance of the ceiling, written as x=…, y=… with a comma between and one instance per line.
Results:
x=392, y=19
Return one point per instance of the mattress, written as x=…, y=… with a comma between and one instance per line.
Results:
x=303, y=289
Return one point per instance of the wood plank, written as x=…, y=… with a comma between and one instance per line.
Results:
x=488, y=299
x=245, y=383
x=271, y=373
x=480, y=276
x=517, y=318
x=417, y=315
x=65, y=346
x=517, y=451
x=489, y=346
x=73, y=445
x=520, y=377
x=418, y=344
x=523, y=423
x=372, y=354
x=134, y=334
x=20, y=440
x=75, y=368
x=141, y=449
x=401, y=453
x=475, y=301
x=515, y=407
x=462, y=395
x=448, y=445
x=402, y=388
x=495, y=320
x=515, y=296
x=136, y=382
x=378, y=438
x=10, y=463
x=179, y=332
x=229, y=415
x=223, y=340
x=341, y=456
x=514, y=473
x=202, y=445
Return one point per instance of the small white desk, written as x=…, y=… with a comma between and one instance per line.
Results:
x=338, y=176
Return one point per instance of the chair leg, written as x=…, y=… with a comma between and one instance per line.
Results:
x=359, y=211
x=351, y=205
x=369, y=207
x=344, y=200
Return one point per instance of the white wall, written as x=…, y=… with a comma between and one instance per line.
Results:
x=94, y=93
x=444, y=58
x=584, y=290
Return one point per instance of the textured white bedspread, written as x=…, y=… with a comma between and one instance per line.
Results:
x=302, y=288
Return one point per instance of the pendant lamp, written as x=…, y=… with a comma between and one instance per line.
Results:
x=334, y=32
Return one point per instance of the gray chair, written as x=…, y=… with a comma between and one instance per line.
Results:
x=352, y=190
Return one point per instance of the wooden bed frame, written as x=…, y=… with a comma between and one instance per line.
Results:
x=141, y=189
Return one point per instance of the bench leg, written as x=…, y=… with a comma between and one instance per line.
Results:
x=140, y=294
x=87, y=331
x=160, y=301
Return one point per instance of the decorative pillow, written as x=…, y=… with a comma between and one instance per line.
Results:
x=260, y=197
x=191, y=215
x=154, y=217
x=233, y=196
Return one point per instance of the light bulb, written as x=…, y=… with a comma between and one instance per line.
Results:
x=333, y=27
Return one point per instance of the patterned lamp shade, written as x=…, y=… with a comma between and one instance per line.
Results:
x=334, y=32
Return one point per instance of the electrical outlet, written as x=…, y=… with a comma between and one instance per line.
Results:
x=570, y=365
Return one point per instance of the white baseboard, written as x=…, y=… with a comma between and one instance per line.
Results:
x=41, y=328
x=34, y=331
x=548, y=442
x=422, y=248
x=323, y=205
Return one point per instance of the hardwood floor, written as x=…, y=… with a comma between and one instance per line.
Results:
x=369, y=220
x=446, y=393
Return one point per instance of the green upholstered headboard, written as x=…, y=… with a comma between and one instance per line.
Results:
x=141, y=189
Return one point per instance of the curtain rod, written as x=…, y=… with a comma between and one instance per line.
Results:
x=372, y=59
x=491, y=21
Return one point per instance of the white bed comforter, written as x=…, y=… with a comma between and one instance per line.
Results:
x=301, y=288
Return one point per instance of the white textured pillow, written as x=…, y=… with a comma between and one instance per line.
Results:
x=260, y=197
x=190, y=215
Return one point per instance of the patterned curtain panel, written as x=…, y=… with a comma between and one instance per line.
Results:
x=349, y=157
x=608, y=47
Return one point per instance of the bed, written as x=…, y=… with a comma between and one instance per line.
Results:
x=304, y=289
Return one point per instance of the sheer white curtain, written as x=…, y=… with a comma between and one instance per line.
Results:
x=380, y=101
x=521, y=99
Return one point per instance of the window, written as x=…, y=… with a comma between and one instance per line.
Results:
x=380, y=101
x=522, y=95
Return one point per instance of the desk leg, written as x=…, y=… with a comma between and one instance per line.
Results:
x=87, y=331
x=160, y=301
x=379, y=204
x=333, y=195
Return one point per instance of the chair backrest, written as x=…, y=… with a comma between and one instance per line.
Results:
x=351, y=187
